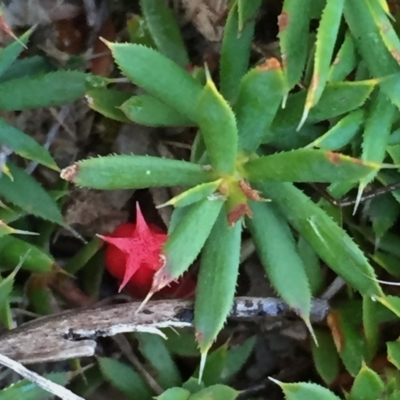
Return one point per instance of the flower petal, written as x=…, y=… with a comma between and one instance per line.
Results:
x=133, y=264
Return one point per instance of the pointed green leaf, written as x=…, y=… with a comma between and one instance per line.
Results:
x=49, y=90
x=35, y=65
x=383, y=212
x=153, y=348
x=306, y=165
x=107, y=102
x=393, y=350
x=9, y=54
x=25, y=146
x=344, y=62
x=164, y=30
x=187, y=239
x=38, y=203
x=195, y=194
x=277, y=251
x=174, y=394
x=246, y=11
x=367, y=385
x=36, y=259
x=216, y=392
x=386, y=29
x=237, y=357
x=134, y=172
x=367, y=36
x=214, y=366
x=159, y=76
x=352, y=348
x=147, y=110
x=235, y=51
x=337, y=99
x=312, y=266
x=217, y=281
x=325, y=356
x=139, y=31
x=260, y=94
x=376, y=133
x=124, y=378
x=371, y=327
x=218, y=127
x=341, y=134
x=27, y=390
x=326, y=39
x=293, y=39
x=332, y=243
x=306, y=391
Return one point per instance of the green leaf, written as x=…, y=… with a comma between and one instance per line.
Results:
x=237, y=357
x=124, y=378
x=218, y=127
x=187, y=239
x=35, y=65
x=345, y=60
x=383, y=212
x=215, y=392
x=139, y=31
x=371, y=327
x=9, y=54
x=367, y=36
x=376, y=133
x=367, y=385
x=337, y=99
x=325, y=356
x=293, y=39
x=36, y=259
x=164, y=30
x=278, y=253
x=352, y=346
x=325, y=43
x=134, y=172
x=148, y=110
x=333, y=245
x=83, y=256
x=393, y=350
x=214, y=366
x=312, y=266
x=181, y=343
x=49, y=90
x=246, y=11
x=107, y=102
x=217, y=281
x=307, y=165
x=195, y=194
x=159, y=76
x=25, y=146
x=342, y=133
x=27, y=390
x=154, y=349
x=174, y=394
x=193, y=385
x=384, y=24
x=305, y=391
x=260, y=94
x=38, y=203
x=235, y=51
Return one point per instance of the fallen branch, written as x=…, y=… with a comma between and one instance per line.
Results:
x=72, y=334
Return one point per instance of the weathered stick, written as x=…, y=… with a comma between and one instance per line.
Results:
x=72, y=334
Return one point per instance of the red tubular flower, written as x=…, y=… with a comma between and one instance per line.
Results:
x=134, y=254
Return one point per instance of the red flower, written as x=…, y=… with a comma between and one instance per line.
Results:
x=134, y=254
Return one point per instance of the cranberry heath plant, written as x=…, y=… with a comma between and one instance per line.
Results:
x=258, y=136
